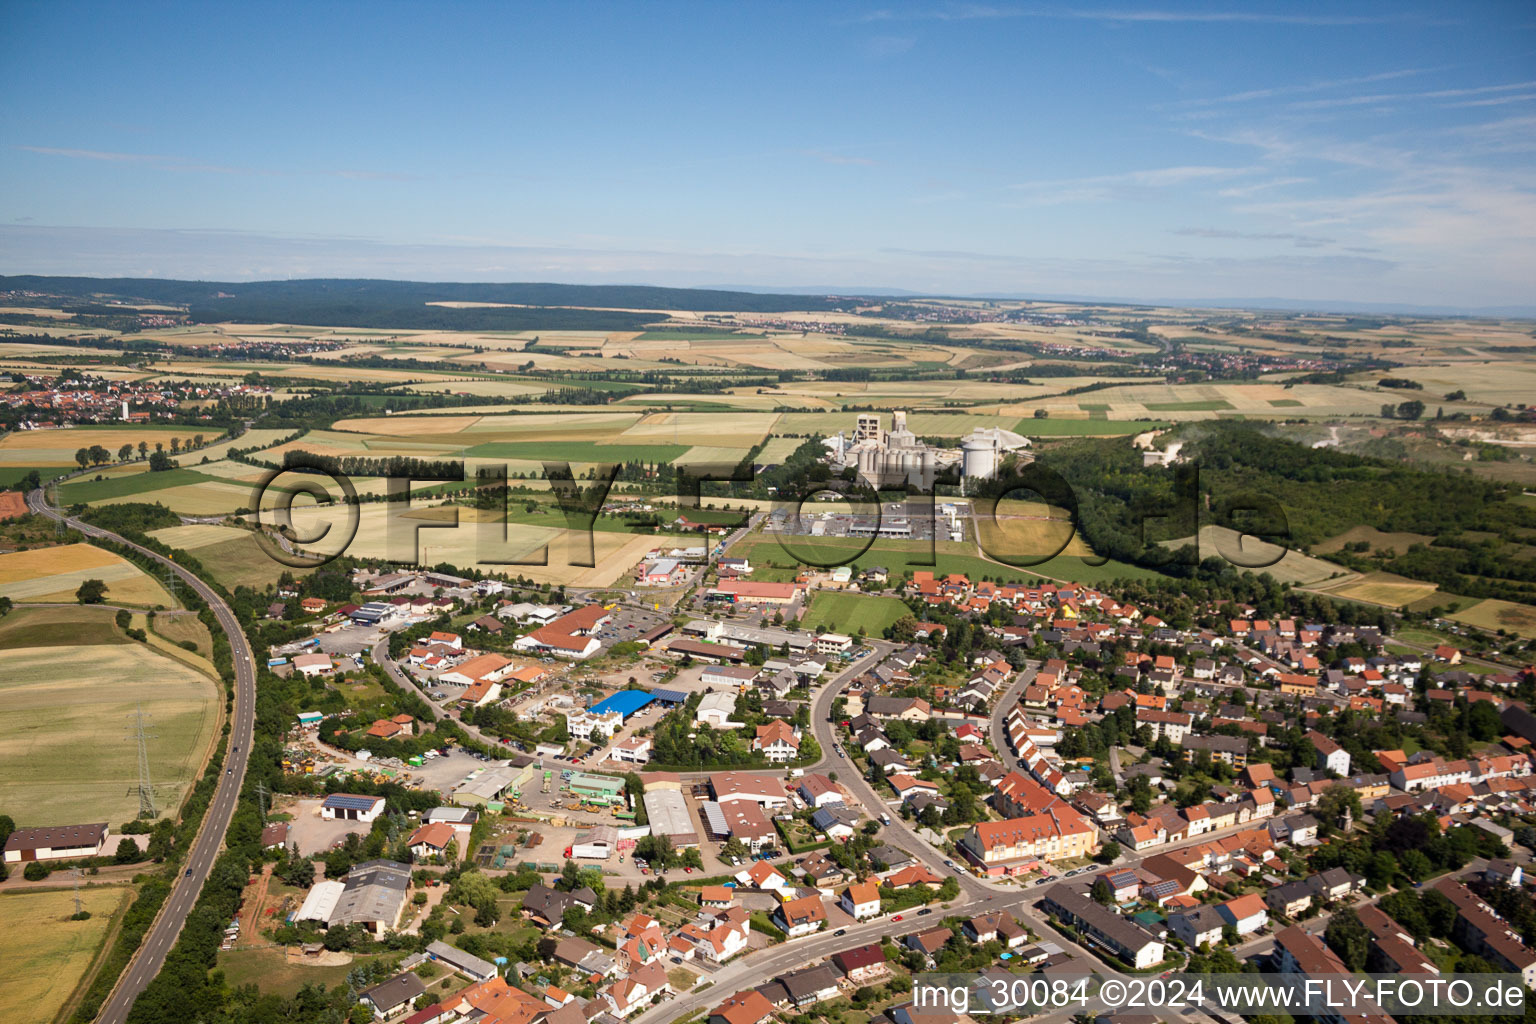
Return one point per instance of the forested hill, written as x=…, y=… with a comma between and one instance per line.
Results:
x=404, y=304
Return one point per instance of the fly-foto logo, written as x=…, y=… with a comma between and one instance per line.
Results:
x=1165, y=534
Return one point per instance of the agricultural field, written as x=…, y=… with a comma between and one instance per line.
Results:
x=1378, y=541
x=1382, y=588
x=1487, y=383
x=184, y=628
x=1494, y=615
x=935, y=424
x=904, y=557
x=53, y=574
x=58, y=447
x=849, y=613
x=232, y=556
x=46, y=954
x=1013, y=530
x=1285, y=564
x=387, y=532
x=69, y=686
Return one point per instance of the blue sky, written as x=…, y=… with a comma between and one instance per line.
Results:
x=1319, y=151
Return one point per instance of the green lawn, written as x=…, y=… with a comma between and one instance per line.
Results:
x=847, y=613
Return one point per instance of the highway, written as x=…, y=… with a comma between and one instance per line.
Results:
x=150, y=957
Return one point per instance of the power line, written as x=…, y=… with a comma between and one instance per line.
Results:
x=145, y=788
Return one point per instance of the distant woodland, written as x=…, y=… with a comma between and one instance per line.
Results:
x=403, y=304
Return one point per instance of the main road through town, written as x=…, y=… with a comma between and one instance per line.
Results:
x=150, y=957
x=977, y=896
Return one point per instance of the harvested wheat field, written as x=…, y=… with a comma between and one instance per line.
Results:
x=1495, y=615
x=1013, y=530
x=726, y=429
x=407, y=426
x=1246, y=552
x=58, y=447
x=46, y=954
x=54, y=574
x=65, y=729
x=1383, y=588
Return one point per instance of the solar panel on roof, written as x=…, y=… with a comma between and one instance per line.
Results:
x=350, y=803
x=670, y=696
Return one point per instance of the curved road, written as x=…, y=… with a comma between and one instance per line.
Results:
x=977, y=895
x=150, y=957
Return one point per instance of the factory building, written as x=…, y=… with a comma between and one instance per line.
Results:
x=896, y=457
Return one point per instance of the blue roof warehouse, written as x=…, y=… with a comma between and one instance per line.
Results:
x=625, y=702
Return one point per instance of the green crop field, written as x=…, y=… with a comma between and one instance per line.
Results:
x=848, y=613
x=84, y=489
x=11, y=475
x=58, y=627
x=46, y=955
x=65, y=726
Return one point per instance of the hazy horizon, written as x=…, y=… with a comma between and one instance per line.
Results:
x=1379, y=156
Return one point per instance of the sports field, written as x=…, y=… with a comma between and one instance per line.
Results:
x=45, y=953
x=848, y=613
x=65, y=719
x=54, y=574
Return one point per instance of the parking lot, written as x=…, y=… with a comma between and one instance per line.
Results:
x=313, y=834
x=350, y=641
x=628, y=624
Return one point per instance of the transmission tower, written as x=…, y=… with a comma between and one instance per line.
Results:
x=76, y=875
x=261, y=800
x=146, y=790
x=171, y=580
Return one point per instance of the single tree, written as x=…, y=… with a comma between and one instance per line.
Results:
x=91, y=592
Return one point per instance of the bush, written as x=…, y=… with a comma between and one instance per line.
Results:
x=36, y=871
